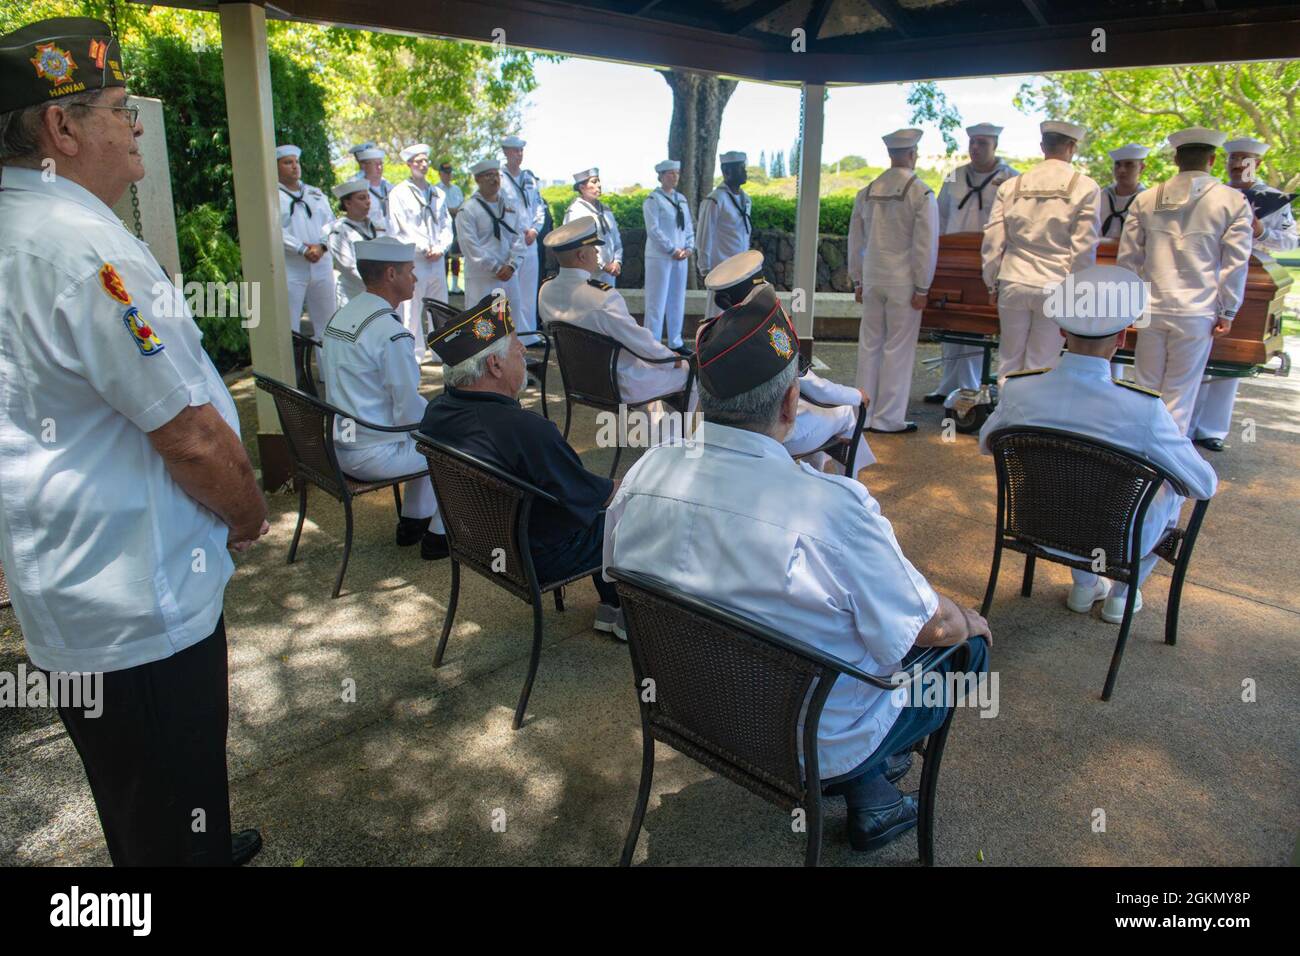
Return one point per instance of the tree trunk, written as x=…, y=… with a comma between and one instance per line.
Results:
x=698, y=102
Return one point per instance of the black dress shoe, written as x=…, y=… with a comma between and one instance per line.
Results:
x=1210, y=444
x=244, y=846
x=411, y=530
x=907, y=427
x=434, y=546
x=897, y=766
x=935, y=398
x=683, y=350
x=872, y=827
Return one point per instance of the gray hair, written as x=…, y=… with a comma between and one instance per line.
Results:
x=471, y=370
x=755, y=410
x=20, y=129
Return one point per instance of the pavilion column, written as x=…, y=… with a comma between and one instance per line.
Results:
x=257, y=209
x=812, y=124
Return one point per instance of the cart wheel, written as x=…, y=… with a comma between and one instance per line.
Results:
x=970, y=422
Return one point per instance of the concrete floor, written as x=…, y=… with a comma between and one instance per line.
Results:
x=424, y=769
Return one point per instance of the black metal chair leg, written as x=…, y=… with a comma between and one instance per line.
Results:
x=993, y=580
x=451, y=613
x=1027, y=585
x=1175, y=599
x=932, y=758
x=558, y=593
x=522, y=706
x=302, y=514
x=618, y=450
x=397, y=497
x=642, y=796
x=568, y=416
x=813, y=855
x=1124, y=627
x=347, y=546
x=542, y=385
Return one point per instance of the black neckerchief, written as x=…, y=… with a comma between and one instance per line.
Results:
x=602, y=227
x=498, y=222
x=681, y=216
x=749, y=226
x=1119, y=214
x=520, y=189
x=381, y=196
x=357, y=229
x=419, y=196
x=297, y=200
x=974, y=190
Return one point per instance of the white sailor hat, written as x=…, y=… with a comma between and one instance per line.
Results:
x=902, y=139
x=582, y=177
x=1245, y=144
x=735, y=156
x=983, y=129
x=1131, y=151
x=385, y=249
x=484, y=165
x=413, y=151
x=668, y=166
x=371, y=152
x=513, y=142
x=287, y=150
x=360, y=146
x=573, y=235
x=1072, y=130
x=349, y=187
x=1097, y=301
x=1197, y=136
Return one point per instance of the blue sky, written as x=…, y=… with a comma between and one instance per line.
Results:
x=590, y=113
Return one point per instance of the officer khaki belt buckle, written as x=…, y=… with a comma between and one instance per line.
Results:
x=1057, y=193
x=897, y=197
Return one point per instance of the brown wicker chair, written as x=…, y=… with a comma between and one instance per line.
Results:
x=308, y=425
x=731, y=693
x=589, y=369
x=1060, y=490
x=485, y=510
x=303, y=347
x=843, y=450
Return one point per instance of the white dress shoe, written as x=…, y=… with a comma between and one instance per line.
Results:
x=1082, y=597
x=1113, y=610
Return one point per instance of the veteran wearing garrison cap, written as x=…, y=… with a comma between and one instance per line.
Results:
x=370, y=170
x=305, y=221
x=521, y=187
x=805, y=552
x=669, y=242
x=1079, y=395
x=116, y=534
x=418, y=214
x=965, y=202
x=1189, y=238
x=586, y=184
x=725, y=220
x=490, y=229
x=353, y=226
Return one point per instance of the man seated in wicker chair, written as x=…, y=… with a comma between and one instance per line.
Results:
x=733, y=520
x=1080, y=396
x=479, y=413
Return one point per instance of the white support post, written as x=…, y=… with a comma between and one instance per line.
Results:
x=807, y=213
x=247, y=71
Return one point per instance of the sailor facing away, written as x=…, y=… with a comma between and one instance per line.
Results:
x=669, y=242
x=1080, y=396
x=490, y=232
x=417, y=213
x=587, y=185
x=520, y=187
x=305, y=218
x=726, y=221
x=369, y=370
x=353, y=226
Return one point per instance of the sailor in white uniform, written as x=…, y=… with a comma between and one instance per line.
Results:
x=734, y=285
x=669, y=242
x=965, y=202
x=1079, y=395
x=587, y=185
x=1189, y=238
x=725, y=224
x=1044, y=225
x=521, y=188
x=1129, y=163
x=454, y=198
x=418, y=214
x=490, y=231
x=370, y=163
x=351, y=227
x=1274, y=230
x=305, y=218
x=369, y=370
x=893, y=250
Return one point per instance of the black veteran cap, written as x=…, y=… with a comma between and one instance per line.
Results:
x=52, y=58
x=458, y=336
x=746, y=345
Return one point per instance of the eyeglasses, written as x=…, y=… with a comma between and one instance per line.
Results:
x=132, y=112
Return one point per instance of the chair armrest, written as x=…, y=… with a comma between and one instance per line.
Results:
x=378, y=428
x=688, y=359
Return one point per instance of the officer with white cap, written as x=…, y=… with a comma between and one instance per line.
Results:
x=369, y=369
x=370, y=163
x=1190, y=239
x=353, y=226
x=490, y=230
x=733, y=285
x=965, y=202
x=575, y=296
x=587, y=185
x=1079, y=395
x=893, y=252
x=1274, y=230
x=1129, y=162
x=1045, y=224
x=669, y=242
x=725, y=220
x=521, y=188
x=305, y=220
x=418, y=214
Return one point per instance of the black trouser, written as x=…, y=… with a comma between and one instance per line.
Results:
x=583, y=551
x=156, y=756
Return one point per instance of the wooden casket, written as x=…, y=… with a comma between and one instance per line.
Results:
x=960, y=303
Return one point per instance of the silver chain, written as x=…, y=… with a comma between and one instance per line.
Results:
x=135, y=192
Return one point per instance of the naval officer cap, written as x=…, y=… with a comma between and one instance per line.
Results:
x=458, y=336
x=485, y=165
x=288, y=149
x=749, y=344
x=902, y=138
x=385, y=249
x=414, y=150
x=1131, y=151
x=513, y=142
x=735, y=156
x=984, y=129
x=668, y=166
x=51, y=58
x=349, y=187
x=1061, y=128
x=1197, y=136
x=732, y=280
x=573, y=235
x=581, y=177
x=1097, y=301
x=1255, y=147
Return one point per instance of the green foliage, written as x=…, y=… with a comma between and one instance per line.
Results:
x=846, y=164
x=930, y=105
x=770, y=211
x=210, y=255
